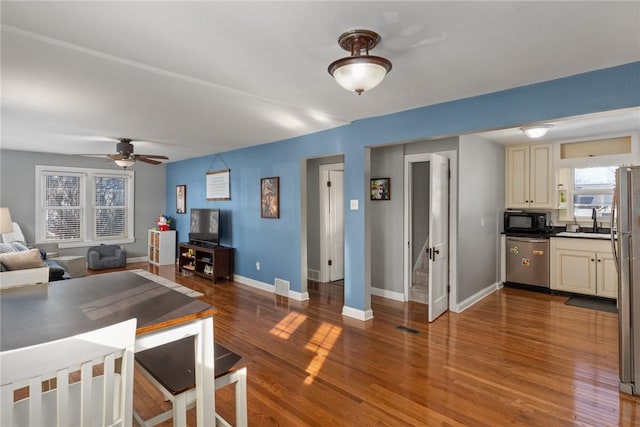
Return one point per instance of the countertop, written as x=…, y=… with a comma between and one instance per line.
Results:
x=560, y=231
x=582, y=235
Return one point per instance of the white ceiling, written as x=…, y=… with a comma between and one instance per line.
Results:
x=193, y=78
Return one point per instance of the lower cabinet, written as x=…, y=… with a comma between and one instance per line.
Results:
x=583, y=266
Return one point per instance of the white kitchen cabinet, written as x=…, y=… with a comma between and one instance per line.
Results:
x=162, y=247
x=606, y=275
x=583, y=266
x=529, y=176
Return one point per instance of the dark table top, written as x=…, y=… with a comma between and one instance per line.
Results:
x=39, y=313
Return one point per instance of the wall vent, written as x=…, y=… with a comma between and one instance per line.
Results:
x=282, y=287
x=313, y=275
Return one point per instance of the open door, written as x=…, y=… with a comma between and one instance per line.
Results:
x=438, y=236
x=336, y=225
x=331, y=191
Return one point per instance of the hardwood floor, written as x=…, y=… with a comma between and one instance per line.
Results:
x=515, y=358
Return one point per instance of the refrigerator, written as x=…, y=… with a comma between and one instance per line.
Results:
x=626, y=252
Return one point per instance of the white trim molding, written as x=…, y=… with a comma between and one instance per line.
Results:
x=363, y=315
x=384, y=293
x=298, y=296
x=478, y=296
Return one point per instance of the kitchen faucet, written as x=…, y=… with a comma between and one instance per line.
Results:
x=594, y=217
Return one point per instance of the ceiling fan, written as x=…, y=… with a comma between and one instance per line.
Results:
x=125, y=157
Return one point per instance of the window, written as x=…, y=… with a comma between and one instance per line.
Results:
x=110, y=207
x=593, y=189
x=79, y=207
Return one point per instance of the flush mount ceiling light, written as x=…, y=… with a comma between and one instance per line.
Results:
x=124, y=163
x=359, y=72
x=537, y=131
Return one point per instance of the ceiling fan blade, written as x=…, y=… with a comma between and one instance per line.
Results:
x=146, y=160
x=151, y=156
x=92, y=155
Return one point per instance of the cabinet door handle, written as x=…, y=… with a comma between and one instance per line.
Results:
x=599, y=260
x=592, y=259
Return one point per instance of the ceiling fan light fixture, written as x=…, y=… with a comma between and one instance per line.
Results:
x=359, y=72
x=124, y=163
x=537, y=131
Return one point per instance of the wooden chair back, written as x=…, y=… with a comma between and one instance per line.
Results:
x=88, y=386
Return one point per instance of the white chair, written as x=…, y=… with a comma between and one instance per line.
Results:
x=104, y=399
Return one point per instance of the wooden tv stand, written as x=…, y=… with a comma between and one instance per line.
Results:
x=206, y=261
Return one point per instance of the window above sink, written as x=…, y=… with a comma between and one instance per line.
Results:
x=581, y=190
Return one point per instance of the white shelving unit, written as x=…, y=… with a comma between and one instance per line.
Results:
x=162, y=247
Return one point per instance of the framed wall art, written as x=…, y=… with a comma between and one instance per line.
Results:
x=181, y=199
x=270, y=197
x=218, y=185
x=381, y=189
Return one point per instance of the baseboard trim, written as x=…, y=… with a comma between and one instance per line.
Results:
x=298, y=296
x=354, y=313
x=384, y=293
x=462, y=306
x=138, y=259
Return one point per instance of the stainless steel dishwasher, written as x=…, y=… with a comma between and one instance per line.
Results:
x=527, y=261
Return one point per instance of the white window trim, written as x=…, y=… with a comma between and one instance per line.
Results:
x=567, y=215
x=87, y=233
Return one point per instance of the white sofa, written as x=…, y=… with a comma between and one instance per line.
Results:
x=28, y=276
x=21, y=266
x=13, y=242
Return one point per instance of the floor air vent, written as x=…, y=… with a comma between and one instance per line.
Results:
x=282, y=287
x=406, y=329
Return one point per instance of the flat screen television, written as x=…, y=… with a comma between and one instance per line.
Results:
x=205, y=226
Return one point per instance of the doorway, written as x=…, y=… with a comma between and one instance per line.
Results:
x=427, y=231
x=331, y=192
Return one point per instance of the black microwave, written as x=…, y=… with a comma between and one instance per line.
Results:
x=525, y=222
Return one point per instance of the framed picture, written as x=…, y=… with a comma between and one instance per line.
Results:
x=270, y=197
x=218, y=185
x=381, y=189
x=181, y=199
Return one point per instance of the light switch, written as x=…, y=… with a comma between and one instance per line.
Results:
x=354, y=204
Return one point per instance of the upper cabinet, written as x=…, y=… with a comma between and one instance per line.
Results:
x=529, y=176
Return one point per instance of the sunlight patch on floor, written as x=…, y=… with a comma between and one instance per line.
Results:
x=321, y=343
x=288, y=325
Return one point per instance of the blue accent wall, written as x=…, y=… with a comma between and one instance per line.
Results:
x=275, y=243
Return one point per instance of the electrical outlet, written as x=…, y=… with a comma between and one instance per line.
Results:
x=258, y=265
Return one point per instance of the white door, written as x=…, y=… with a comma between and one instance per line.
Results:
x=438, y=295
x=331, y=191
x=336, y=225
